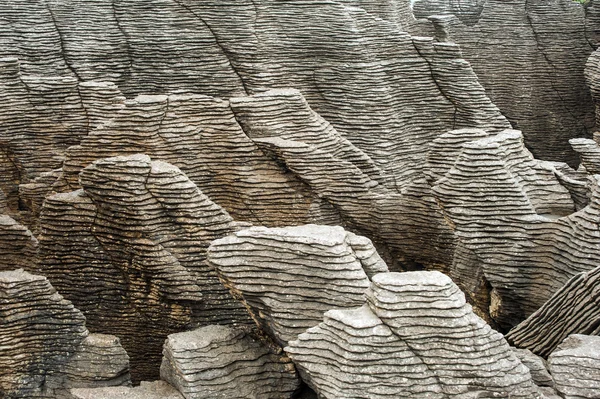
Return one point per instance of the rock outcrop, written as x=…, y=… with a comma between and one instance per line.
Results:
x=574, y=309
x=46, y=346
x=146, y=390
x=129, y=250
x=575, y=366
x=288, y=277
x=222, y=362
x=530, y=57
x=440, y=347
x=18, y=246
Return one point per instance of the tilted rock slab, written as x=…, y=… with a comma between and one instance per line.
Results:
x=129, y=250
x=574, y=309
x=288, y=277
x=223, y=362
x=415, y=337
x=575, y=367
x=530, y=57
x=46, y=346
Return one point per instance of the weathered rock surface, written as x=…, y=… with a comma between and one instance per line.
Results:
x=222, y=362
x=574, y=309
x=575, y=367
x=18, y=246
x=288, y=277
x=530, y=57
x=537, y=367
x=514, y=222
x=46, y=348
x=146, y=390
x=129, y=250
x=415, y=337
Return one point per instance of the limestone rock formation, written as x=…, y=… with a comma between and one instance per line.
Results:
x=288, y=277
x=146, y=390
x=415, y=337
x=468, y=11
x=222, y=362
x=574, y=309
x=537, y=367
x=530, y=57
x=129, y=250
x=575, y=366
x=46, y=348
x=18, y=246
x=512, y=218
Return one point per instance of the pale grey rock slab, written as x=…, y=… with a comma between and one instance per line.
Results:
x=146, y=390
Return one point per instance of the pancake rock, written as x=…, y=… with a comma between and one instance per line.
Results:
x=537, y=367
x=288, y=277
x=518, y=236
x=574, y=309
x=41, y=118
x=146, y=390
x=468, y=11
x=18, y=246
x=201, y=136
x=530, y=57
x=575, y=366
x=415, y=337
x=129, y=250
x=222, y=362
x=46, y=346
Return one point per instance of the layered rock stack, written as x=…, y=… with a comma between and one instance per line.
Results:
x=415, y=337
x=141, y=228
x=221, y=362
x=288, y=277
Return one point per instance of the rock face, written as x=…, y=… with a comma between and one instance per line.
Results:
x=46, y=346
x=221, y=362
x=575, y=366
x=18, y=246
x=529, y=56
x=142, y=228
x=439, y=347
x=288, y=277
x=574, y=309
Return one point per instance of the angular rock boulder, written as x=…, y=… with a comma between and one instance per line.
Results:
x=288, y=277
x=222, y=362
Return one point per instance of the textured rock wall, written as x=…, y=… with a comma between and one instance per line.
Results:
x=530, y=57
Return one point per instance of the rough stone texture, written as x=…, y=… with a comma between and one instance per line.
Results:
x=530, y=57
x=129, y=250
x=537, y=367
x=222, y=362
x=575, y=366
x=288, y=277
x=468, y=11
x=415, y=337
x=46, y=348
x=518, y=238
x=574, y=309
x=146, y=390
x=18, y=247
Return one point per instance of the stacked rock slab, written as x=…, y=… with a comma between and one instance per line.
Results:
x=575, y=366
x=415, y=337
x=574, y=309
x=515, y=226
x=223, y=362
x=129, y=250
x=288, y=277
x=530, y=57
x=39, y=331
